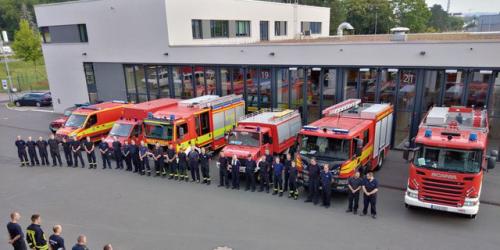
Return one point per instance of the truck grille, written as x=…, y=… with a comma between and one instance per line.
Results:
x=443, y=192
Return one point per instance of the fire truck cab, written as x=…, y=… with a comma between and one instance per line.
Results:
x=351, y=137
x=448, y=160
x=256, y=132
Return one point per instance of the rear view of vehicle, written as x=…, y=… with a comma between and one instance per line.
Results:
x=38, y=99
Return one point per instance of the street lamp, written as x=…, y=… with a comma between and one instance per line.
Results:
x=2, y=51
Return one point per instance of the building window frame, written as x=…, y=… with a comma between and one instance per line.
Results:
x=197, y=28
x=280, y=28
x=219, y=28
x=82, y=31
x=242, y=28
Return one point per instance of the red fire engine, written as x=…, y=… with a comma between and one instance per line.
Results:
x=446, y=171
x=350, y=136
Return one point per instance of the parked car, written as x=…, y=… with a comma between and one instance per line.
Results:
x=34, y=99
x=60, y=121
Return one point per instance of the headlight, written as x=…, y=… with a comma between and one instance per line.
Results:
x=412, y=194
x=470, y=202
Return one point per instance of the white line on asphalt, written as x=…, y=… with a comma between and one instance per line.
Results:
x=28, y=109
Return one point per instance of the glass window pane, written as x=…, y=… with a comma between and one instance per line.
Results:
x=406, y=95
x=387, y=86
x=252, y=80
x=143, y=98
x=225, y=81
x=152, y=80
x=350, y=83
x=432, y=90
x=140, y=79
x=130, y=79
x=210, y=78
x=329, y=87
x=297, y=80
x=196, y=28
x=199, y=80
x=454, y=88
x=478, y=89
x=494, y=105
x=282, y=88
x=313, y=94
x=238, y=86
x=182, y=82
x=368, y=85
x=265, y=88
x=163, y=81
x=402, y=128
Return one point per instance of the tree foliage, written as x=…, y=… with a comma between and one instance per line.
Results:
x=441, y=21
x=27, y=44
x=413, y=14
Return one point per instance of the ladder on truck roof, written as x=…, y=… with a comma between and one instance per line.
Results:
x=269, y=116
x=456, y=118
x=352, y=108
x=213, y=101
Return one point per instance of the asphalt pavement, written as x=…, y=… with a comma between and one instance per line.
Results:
x=138, y=212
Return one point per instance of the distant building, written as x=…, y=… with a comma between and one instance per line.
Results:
x=487, y=23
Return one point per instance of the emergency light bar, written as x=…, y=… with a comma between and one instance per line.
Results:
x=310, y=128
x=340, y=131
x=343, y=106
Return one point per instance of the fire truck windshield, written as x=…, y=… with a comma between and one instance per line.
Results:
x=159, y=131
x=75, y=121
x=446, y=159
x=120, y=130
x=243, y=138
x=325, y=148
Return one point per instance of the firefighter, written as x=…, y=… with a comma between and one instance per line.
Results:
x=54, y=151
x=326, y=185
x=76, y=147
x=67, y=152
x=104, y=149
x=56, y=242
x=41, y=144
x=126, y=155
x=270, y=161
x=235, y=172
x=292, y=181
x=370, y=189
x=158, y=158
x=89, y=147
x=117, y=152
x=313, y=184
x=354, y=184
x=223, y=173
x=31, y=145
x=21, y=151
x=182, y=163
x=263, y=168
x=250, y=167
x=205, y=166
x=143, y=157
x=134, y=153
x=194, y=163
x=170, y=158
x=35, y=235
x=287, y=164
x=16, y=236
x=278, y=176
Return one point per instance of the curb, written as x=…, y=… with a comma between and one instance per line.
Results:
x=20, y=110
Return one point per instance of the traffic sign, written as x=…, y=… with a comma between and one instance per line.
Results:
x=4, y=84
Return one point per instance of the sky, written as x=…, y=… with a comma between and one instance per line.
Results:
x=469, y=5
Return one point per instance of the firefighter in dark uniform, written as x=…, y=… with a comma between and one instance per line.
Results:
x=270, y=161
x=143, y=157
x=31, y=145
x=35, y=235
x=370, y=189
x=278, y=176
x=223, y=173
x=263, y=167
x=287, y=164
x=21, y=151
x=235, y=172
x=67, y=151
x=171, y=159
x=205, y=166
x=127, y=156
x=134, y=153
x=326, y=185
x=89, y=147
x=194, y=163
x=104, y=149
x=292, y=181
x=117, y=152
x=54, y=151
x=354, y=184
x=76, y=147
x=41, y=144
x=182, y=163
x=158, y=158
x=250, y=167
x=314, y=173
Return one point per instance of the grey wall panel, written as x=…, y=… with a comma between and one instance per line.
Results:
x=110, y=81
x=232, y=28
x=205, y=27
x=64, y=34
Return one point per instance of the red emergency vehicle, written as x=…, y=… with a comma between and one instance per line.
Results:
x=446, y=172
x=273, y=130
x=130, y=125
x=350, y=136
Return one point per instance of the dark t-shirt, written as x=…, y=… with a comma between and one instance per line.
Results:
x=15, y=230
x=355, y=182
x=370, y=185
x=79, y=247
x=56, y=242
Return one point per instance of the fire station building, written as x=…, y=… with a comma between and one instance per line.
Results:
x=276, y=55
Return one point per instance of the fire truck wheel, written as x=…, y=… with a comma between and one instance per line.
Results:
x=18, y=104
x=380, y=162
x=472, y=216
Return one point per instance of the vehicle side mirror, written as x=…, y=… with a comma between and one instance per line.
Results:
x=492, y=158
x=181, y=133
x=270, y=140
x=406, y=151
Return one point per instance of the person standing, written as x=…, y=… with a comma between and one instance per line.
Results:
x=16, y=236
x=56, y=242
x=42, y=144
x=81, y=243
x=89, y=147
x=158, y=158
x=370, y=189
x=292, y=181
x=270, y=161
x=171, y=162
x=263, y=167
x=205, y=166
x=143, y=157
x=31, y=145
x=134, y=153
x=314, y=176
x=287, y=164
x=108, y=247
x=194, y=163
x=326, y=185
x=117, y=152
x=67, y=151
x=21, y=151
x=35, y=235
x=250, y=167
x=278, y=176
x=76, y=147
x=182, y=163
x=235, y=172
x=354, y=186
x=223, y=170
x=104, y=149
x=54, y=151
x=126, y=155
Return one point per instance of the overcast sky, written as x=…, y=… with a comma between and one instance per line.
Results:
x=469, y=5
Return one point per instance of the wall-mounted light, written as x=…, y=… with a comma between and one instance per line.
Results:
x=272, y=54
x=471, y=48
x=341, y=50
x=165, y=54
x=422, y=53
x=84, y=53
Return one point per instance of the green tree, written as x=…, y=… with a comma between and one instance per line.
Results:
x=439, y=18
x=369, y=16
x=27, y=44
x=413, y=14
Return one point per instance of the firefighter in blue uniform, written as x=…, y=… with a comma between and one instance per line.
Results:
x=54, y=151
x=126, y=155
x=158, y=158
x=171, y=160
x=104, y=149
x=42, y=151
x=117, y=152
x=278, y=176
x=370, y=189
x=35, y=235
x=250, y=167
x=314, y=179
x=235, y=172
x=223, y=171
x=21, y=151
x=263, y=167
x=292, y=181
x=205, y=166
x=143, y=157
x=76, y=147
x=134, y=153
x=31, y=145
x=287, y=164
x=270, y=161
x=182, y=163
x=89, y=147
x=354, y=184
x=326, y=185
x=194, y=163
x=67, y=151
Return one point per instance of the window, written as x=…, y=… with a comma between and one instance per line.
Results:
x=219, y=28
x=242, y=28
x=205, y=123
x=182, y=130
x=92, y=121
x=266, y=139
x=197, y=30
x=280, y=28
x=310, y=28
x=366, y=137
x=137, y=131
x=82, y=30
x=74, y=33
x=90, y=79
x=45, y=34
